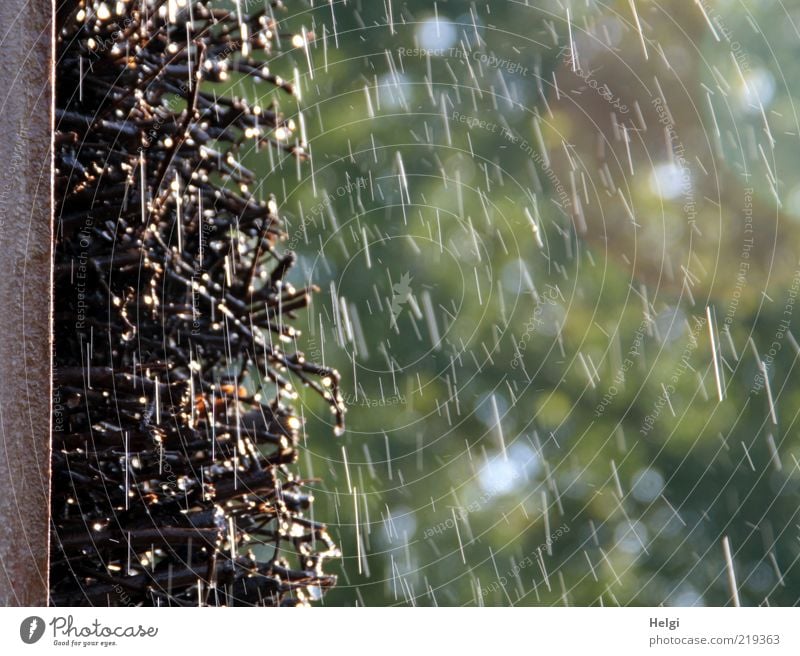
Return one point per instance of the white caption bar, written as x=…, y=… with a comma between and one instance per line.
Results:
x=403, y=631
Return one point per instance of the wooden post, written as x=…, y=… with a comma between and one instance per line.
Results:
x=26, y=207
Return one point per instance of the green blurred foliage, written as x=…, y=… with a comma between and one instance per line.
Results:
x=541, y=409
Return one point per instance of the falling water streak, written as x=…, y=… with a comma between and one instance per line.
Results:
x=325, y=47
x=458, y=535
x=475, y=31
x=176, y=185
x=307, y=52
x=726, y=549
x=333, y=22
x=617, y=481
x=446, y=120
x=639, y=28
x=537, y=131
x=470, y=70
x=573, y=52
x=633, y=528
x=627, y=207
x=478, y=287
x=345, y=318
x=663, y=97
x=666, y=397
x=773, y=451
x=708, y=20
x=742, y=78
x=347, y=469
x=430, y=319
x=143, y=187
x=388, y=457
x=366, y=247
x=672, y=508
x=767, y=131
x=337, y=321
x=534, y=227
x=393, y=569
x=768, y=388
x=778, y=573
x=727, y=332
x=591, y=566
x=390, y=17
x=627, y=141
x=587, y=371
x=771, y=177
x=370, y=108
x=713, y=114
x=358, y=530
x=540, y=560
x=474, y=234
x=546, y=518
x=158, y=401
x=499, y=428
x=405, y=198
x=499, y=578
x=747, y=455
x=126, y=438
x=715, y=354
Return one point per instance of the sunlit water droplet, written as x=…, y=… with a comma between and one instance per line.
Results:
x=669, y=180
x=436, y=34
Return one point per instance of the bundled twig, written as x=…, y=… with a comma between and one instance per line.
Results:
x=174, y=361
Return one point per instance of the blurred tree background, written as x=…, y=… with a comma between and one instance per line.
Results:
x=557, y=251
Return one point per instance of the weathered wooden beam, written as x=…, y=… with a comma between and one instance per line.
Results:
x=26, y=208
